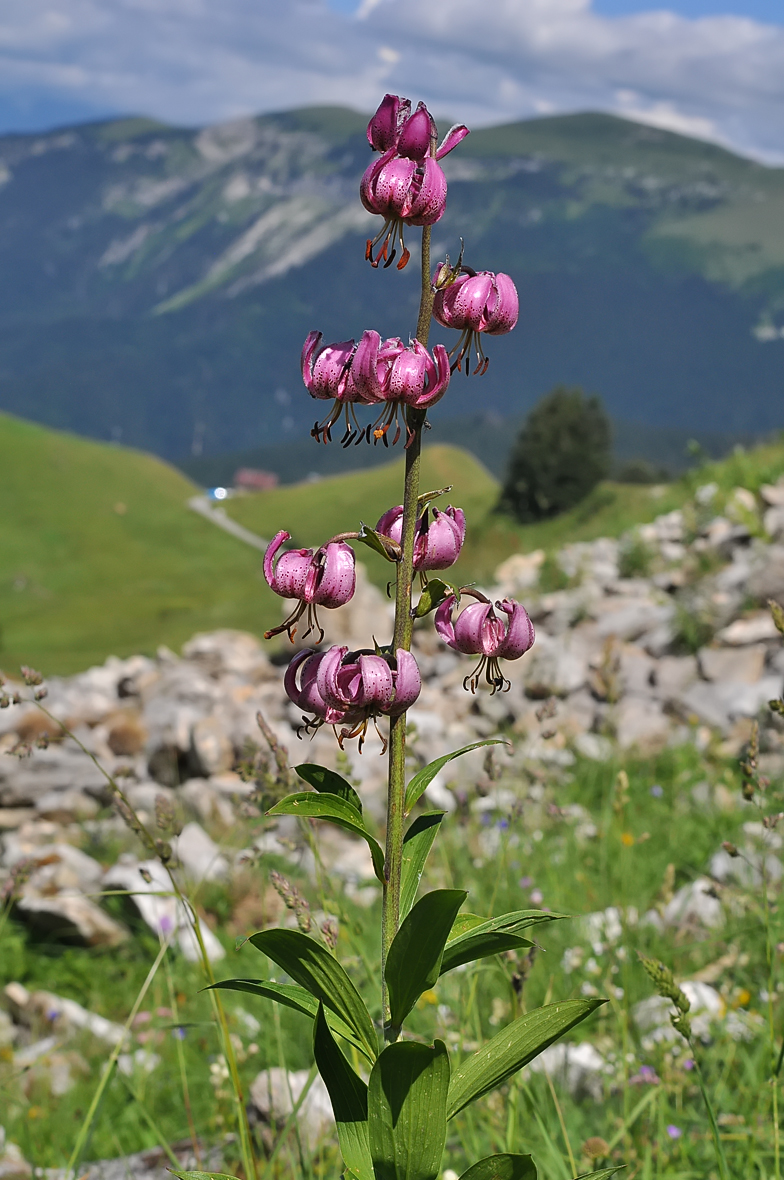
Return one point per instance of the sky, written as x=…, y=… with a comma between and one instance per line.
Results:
x=710, y=68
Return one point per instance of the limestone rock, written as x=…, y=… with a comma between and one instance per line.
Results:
x=227, y=652
x=210, y=746
x=767, y=580
x=744, y=665
x=577, y=1068
x=640, y=721
x=13, y=1165
x=274, y=1093
x=68, y=916
x=200, y=856
x=752, y=629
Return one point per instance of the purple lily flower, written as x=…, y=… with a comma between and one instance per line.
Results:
x=398, y=374
x=437, y=543
x=406, y=185
x=352, y=688
x=475, y=303
x=328, y=372
x=326, y=577
x=479, y=630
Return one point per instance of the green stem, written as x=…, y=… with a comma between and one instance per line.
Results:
x=721, y=1159
x=404, y=626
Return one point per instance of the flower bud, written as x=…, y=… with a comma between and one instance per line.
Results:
x=437, y=542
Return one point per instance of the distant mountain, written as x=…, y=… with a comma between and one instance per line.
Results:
x=156, y=284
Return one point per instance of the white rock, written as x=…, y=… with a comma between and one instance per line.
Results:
x=71, y=917
x=206, y=802
x=228, y=652
x=201, y=857
x=773, y=494
x=751, y=629
x=158, y=906
x=519, y=572
x=67, y=1015
x=720, y=704
x=705, y=493
x=640, y=721
x=652, y=1015
x=593, y=746
x=694, y=905
x=211, y=747
x=744, y=665
x=578, y=1068
x=274, y=1093
x=773, y=522
x=13, y=1165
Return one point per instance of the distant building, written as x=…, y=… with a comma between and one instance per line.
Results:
x=255, y=481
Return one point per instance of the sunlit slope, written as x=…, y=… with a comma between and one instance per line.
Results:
x=99, y=554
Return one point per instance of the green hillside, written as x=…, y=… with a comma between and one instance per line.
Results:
x=100, y=555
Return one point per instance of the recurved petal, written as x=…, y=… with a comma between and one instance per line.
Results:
x=407, y=376
x=305, y=695
x=455, y=135
x=334, y=578
x=471, y=629
x=443, y=620
x=438, y=374
x=364, y=368
x=327, y=677
x=378, y=686
x=331, y=368
x=291, y=573
x=408, y=683
x=520, y=633
x=391, y=523
x=269, y=556
x=308, y=352
x=391, y=189
x=471, y=301
x=507, y=308
x=428, y=204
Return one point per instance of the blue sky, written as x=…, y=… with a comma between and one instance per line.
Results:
x=710, y=68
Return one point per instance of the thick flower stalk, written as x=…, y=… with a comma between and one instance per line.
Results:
x=481, y=629
x=437, y=541
x=398, y=374
x=474, y=303
x=352, y=688
x=326, y=577
x=406, y=185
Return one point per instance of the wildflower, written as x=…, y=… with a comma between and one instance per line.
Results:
x=351, y=688
x=398, y=374
x=478, y=630
x=673, y=1131
x=475, y=303
x=327, y=373
x=437, y=543
x=406, y=184
x=325, y=578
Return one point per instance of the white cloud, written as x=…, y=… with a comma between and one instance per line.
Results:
x=197, y=61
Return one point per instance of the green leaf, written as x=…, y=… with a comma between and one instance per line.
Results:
x=407, y=1096
x=349, y=1097
x=414, y=960
x=514, y=1047
x=502, y=1167
x=201, y=1175
x=417, y=843
x=464, y=922
x=336, y=810
x=292, y=996
x=423, y=778
x=314, y=968
x=602, y=1174
x=378, y=543
x=490, y=937
x=432, y=596
x=329, y=782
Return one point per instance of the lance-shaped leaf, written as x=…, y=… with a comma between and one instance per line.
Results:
x=202, y=1175
x=424, y=777
x=328, y=782
x=502, y=1167
x=349, y=1097
x=336, y=810
x=314, y=968
x=514, y=1047
x=417, y=843
x=414, y=960
x=432, y=596
x=407, y=1097
x=602, y=1174
x=291, y=995
x=490, y=937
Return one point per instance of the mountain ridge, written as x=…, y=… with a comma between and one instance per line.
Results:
x=156, y=283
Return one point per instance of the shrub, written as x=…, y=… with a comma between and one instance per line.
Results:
x=561, y=453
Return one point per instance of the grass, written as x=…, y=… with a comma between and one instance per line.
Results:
x=626, y=854
x=102, y=556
